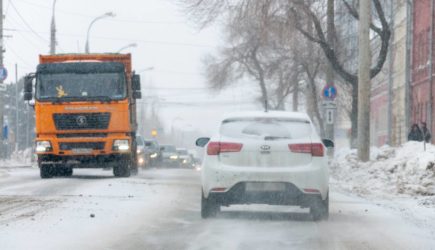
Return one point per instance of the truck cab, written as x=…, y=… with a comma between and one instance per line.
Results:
x=85, y=113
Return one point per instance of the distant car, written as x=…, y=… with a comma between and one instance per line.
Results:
x=152, y=152
x=140, y=150
x=273, y=158
x=169, y=156
x=184, y=158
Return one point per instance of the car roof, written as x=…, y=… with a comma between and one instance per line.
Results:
x=270, y=114
x=150, y=140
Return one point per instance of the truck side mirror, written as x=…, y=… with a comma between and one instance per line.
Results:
x=28, y=87
x=135, y=85
x=137, y=95
x=135, y=82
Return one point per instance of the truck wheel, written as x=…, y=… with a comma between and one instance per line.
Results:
x=209, y=207
x=123, y=169
x=67, y=171
x=319, y=209
x=46, y=171
x=134, y=166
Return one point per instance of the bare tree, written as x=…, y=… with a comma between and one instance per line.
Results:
x=306, y=10
x=258, y=50
x=296, y=12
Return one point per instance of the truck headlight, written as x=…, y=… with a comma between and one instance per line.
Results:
x=43, y=146
x=121, y=145
x=173, y=157
x=138, y=150
x=153, y=155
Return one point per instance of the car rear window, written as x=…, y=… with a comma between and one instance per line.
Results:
x=266, y=128
x=168, y=148
x=139, y=140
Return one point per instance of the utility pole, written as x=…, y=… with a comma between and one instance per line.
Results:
x=53, y=31
x=16, y=107
x=1, y=82
x=330, y=37
x=364, y=62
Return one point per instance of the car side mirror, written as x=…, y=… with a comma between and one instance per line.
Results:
x=328, y=143
x=201, y=142
x=28, y=87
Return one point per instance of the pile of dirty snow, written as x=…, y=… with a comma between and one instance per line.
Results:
x=406, y=170
x=21, y=158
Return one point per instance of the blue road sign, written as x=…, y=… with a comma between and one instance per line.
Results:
x=5, y=132
x=330, y=92
x=3, y=73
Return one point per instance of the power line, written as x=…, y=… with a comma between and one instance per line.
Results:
x=20, y=34
x=20, y=58
x=27, y=24
x=88, y=16
x=127, y=39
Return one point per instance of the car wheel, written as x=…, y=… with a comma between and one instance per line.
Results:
x=209, y=207
x=46, y=171
x=319, y=209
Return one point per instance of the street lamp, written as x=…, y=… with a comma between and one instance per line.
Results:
x=131, y=45
x=53, y=31
x=108, y=14
x=146, y=69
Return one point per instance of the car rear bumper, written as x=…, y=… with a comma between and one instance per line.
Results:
x=171, y=162
x=307, y=179
x=238, y=194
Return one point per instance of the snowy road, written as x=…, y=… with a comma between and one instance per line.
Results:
x=159, y=209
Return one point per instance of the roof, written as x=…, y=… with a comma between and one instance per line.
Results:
x=270, y=114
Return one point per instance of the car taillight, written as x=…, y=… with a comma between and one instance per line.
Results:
x=215, y=148
x=315, y=149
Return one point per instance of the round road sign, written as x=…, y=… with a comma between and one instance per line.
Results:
x=330, y=92
x=3, y=73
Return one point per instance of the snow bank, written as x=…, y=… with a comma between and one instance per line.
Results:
x=19, y=158
x=406, y=170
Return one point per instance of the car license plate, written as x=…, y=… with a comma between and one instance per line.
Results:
x=82, y=150
x=264, y=186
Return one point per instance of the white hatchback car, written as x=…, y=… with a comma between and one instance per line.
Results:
x=273, y=158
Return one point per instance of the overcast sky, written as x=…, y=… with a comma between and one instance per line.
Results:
x=166, y=39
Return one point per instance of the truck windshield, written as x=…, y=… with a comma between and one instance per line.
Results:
x=73, y=86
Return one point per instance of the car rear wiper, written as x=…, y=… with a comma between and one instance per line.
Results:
x=272, y=138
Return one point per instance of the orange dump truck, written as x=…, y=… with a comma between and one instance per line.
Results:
x=85, y=107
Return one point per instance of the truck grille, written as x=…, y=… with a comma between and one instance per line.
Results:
x=83, y=121
x=82, y=135
x=83, y=145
